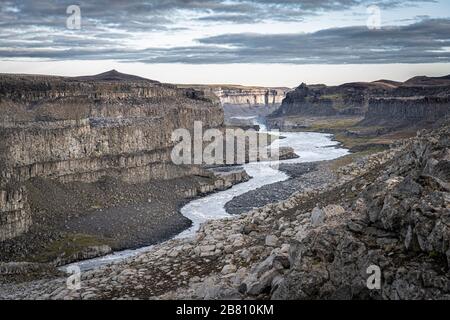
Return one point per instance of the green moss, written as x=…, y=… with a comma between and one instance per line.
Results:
x=333, y=125
x=434, y=254
x=346, y=160
x=67, y=246
x=350, y=142
x=335, y=96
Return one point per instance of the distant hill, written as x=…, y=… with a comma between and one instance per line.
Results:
x=389, y=83
x=419, y=99
x=428, y=81
x=113, y=75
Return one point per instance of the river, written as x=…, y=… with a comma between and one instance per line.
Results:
x=309, y=146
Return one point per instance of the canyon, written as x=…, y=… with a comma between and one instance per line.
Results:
x=389, y=209
x=242, y=103
x=64, y=140
x=86, y=172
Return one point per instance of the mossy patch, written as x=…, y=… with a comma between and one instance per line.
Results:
x=333, y=124
x=67, y=246
x=348, y=159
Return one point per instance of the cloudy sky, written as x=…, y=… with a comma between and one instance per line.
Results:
x=253, y=42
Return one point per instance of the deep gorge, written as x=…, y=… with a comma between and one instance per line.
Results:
x=84, y=129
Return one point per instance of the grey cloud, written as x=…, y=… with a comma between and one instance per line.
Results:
x=235, y=18
x=36, y=29
x=420, y=42
x=157, y=15
x=143, y=14
x=426, y=41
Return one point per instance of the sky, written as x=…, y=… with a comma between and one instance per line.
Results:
x=249, y=42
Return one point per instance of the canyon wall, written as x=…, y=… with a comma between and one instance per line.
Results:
x=397, y=111
x=15, y=215
x=246, y=96
x=320, y=100
x=383, y=102
x=242, y=105
x=82, y=129
x=249, y=96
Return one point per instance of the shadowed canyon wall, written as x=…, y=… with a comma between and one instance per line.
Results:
x=407, y=111
x=383, y=102
x=82, y=129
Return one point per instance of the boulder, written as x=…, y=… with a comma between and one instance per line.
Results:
x=229, y=268
x=271, y=241
x=317, y=217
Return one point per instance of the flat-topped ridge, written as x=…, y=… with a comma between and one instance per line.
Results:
x=113, y=75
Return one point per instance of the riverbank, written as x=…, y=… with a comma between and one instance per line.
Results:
x=348, y=130
x=248, y=256
x=106, y=216
x=135, y=226
x=301, y=176
x=317, y=244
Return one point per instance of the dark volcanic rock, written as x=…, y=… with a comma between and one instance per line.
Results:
x=404, y=111
x=400, y=224
x=348, y=99
x=418, y=101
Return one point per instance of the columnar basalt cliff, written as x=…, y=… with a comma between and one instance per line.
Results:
x=15, y=216
x=406, y=111
x=82, y=129
x=250, y=96
x=320, y=100
x=416, y=101
x=241, y=103
x=244, y=95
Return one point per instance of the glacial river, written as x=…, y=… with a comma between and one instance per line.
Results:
x=309, y=146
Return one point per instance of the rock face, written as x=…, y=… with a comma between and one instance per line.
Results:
x=15, y=216
x=407, y=110
x=240, y=103
x=248, y=96
x=320, y=100
x=244, y=95
x=399, y=224
x=389, y=213
x=82, y=129
x=382, y=102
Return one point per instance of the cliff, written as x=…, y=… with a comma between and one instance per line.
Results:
x=242, y=104
x=406, y=111
x=247, y=96
x=382, y=102
x=86, y=128
x=250, y=96
x=320, y=100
